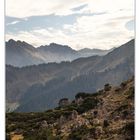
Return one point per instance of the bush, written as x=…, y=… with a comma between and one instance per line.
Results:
x=123, y=84
x=8, y=137
x=82, y=95
x=71, y=107
x=79, y=133
x=107, y=87
x=129, y=129
x=89, y=103
x=131, y=93
x=42, y=134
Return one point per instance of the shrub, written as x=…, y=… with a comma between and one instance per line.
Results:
x=107, y=87
x=82, y=95
x=79, y=133
x=89, y=103
x=129, y=129
x=42, y=134
x=123, y=84
x=71, y=107
x=8, y=137
x=131, y=93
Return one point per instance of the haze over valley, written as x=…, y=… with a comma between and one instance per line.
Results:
x=40, y=87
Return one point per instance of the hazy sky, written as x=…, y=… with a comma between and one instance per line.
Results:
x=80, y=24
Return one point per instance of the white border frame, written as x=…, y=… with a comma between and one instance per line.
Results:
x=2, y=70
x=137, y=71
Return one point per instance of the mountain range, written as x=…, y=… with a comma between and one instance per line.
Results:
x=40, y=87
x=20, y=53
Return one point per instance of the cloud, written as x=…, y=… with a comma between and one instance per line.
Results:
x=79, y=7
x=87, y=32
x=130, y=25
x=102, y=31
x=93, y=24
x=12, y=23
x=47, y=21
x=27, y=8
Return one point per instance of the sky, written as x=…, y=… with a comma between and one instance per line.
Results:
x=101, y=24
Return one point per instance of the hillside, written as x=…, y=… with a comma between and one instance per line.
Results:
x=107, y=114
x=20, y=53
x=46, y=84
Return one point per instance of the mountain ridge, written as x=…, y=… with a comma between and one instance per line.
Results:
x=36, y=83
x=19, y=53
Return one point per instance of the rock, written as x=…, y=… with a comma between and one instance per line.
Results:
x=98, y=131
x=44, y=124
x=96, y=122
x=64, y=102
x=62, y=120
x=116, y=118
x=74, y=114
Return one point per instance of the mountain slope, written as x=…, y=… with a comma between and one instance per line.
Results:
x=90, y=52
x=106, y=114
x=20, y=54
x=45, y=84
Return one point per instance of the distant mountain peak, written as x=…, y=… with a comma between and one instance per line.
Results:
x=11, y=41
x=54, y=47
x=58, y=45
x=19, y=42
x=20, y=53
